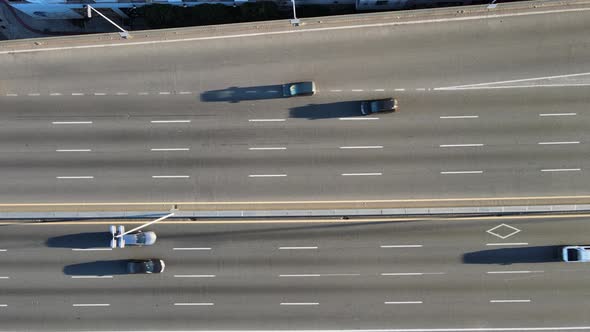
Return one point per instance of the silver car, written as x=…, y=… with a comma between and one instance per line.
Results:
x=576, y=254
x=132, y=239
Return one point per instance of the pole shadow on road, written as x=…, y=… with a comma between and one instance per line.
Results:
x=507, y=256
x=236, y=94
x=81, y=240
x=341, y=109
x=97, y=268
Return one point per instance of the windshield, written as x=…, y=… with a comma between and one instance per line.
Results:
x=572, y=255
x=140, y=238
x=149, y=266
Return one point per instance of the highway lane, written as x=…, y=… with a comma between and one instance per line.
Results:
x=80, y=127
x=424, y=274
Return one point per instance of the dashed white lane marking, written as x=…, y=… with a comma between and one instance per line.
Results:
x=33, y=94
x=459, y=117
x=267, y=175
x=77, y=94
x=3, y=305
x=459, y=145
x=561, y=170
x=121, y=93
x=266, y=120
x=558, y=114
x=299, y=275
x=3, y=250
x=399, y=89
x=297, y=248
x=461, y=172
x=11, y=95
x=143, y=93
x=70, y=122
x=300, y=303
x=74, y=177
x=358, y=119
x=362, y=147
x=251, y=91
x=361, y=174
x=55, y=94
x=410, y=273
x=420, y=89
x=272, y=91
x=194, y=248
x=92, y=277
x=268, y=148
x=170, y=149
x=357, y=90
x=379, y=90
x=73, y=150
x=401, y=246
x=90, y=305
x=194, y=303
x=92, y=249
x=170, y=121
x=508, y=244
x=513, y=272
x=170, y=176
x=306, y=275
x=336, y=90
x=4, y=277
x=100, y=94
x=185, y=93
x=402, y=302
x=557, y=143
x=164, y=92
x=194, y=276
x=510, y=301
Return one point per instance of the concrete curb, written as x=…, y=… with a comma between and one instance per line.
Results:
x=336, y=213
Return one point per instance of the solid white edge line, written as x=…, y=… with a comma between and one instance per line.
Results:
x=300, y=303
x=74, y=177
x=191, y=249
x=194, y=276
x=361, y=174
x=194, y=303
x=362, y=147
x=555, y=143
x=403, y=302
x=561, y=170
x=510, y=301
x=508, y=244
x=461, y=172
x=401, y=246
x=520, y=80
x=297, y=248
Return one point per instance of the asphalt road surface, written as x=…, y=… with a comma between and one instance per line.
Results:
x=300, y=275
x=485, y=111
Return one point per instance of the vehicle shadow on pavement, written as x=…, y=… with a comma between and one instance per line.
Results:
x=236, y=94
x=342, y=109
x=507, y=256
x=81, y=240
x=97, y=268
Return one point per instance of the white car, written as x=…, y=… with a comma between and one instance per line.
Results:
x=132, y=239
x=576, y=254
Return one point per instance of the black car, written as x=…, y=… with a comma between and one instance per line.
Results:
x=143, y=266
x=387, y=105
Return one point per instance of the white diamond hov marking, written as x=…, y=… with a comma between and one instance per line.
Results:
x=514, y=231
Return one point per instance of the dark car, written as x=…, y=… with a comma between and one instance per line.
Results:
x=387, y=105
x=298, y=89
x=143, y=266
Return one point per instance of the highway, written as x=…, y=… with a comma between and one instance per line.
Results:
x=493, y=107
x=404, y=274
